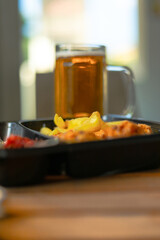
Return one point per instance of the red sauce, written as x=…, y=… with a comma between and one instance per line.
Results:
x=15, y=141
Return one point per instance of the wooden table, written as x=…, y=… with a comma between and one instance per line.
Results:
x=122, y=206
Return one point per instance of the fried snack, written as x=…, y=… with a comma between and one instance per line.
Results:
x=46, y=131
x=93, y=128
x=72, y=136
x=123, y=129
x=59, y=122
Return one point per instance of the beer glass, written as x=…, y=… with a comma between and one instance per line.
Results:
x=80, y=76
x=81, y=85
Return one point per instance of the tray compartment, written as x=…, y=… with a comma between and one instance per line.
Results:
x=22, y=166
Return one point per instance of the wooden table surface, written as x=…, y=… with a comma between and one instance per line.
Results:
x=122, y=206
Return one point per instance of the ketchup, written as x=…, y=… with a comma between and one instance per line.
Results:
x=14, y=141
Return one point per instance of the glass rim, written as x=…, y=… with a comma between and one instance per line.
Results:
x=79, y=47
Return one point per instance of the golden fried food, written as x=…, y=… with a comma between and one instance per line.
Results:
x=77, y=136
x=123, y=129
x=94, y=128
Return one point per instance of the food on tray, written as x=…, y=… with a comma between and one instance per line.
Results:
x=93, y=128
x=14, y=141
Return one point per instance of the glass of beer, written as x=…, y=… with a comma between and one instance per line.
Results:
x=80, y=79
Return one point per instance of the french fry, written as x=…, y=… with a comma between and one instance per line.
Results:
x=46, y=131
x=74, y=123
x=59, y=121
x=58, y=130
x=87, y=124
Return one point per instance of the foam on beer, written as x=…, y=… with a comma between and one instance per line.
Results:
x=79, y=53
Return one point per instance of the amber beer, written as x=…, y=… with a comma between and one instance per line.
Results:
x=79, y=82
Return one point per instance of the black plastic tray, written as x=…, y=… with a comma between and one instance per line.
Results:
x=99, y=157
x=26, y=166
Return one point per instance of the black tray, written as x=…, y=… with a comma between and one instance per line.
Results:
x=100, y=157
x=26, y=166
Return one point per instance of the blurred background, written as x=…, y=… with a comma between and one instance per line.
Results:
x=29, y=30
